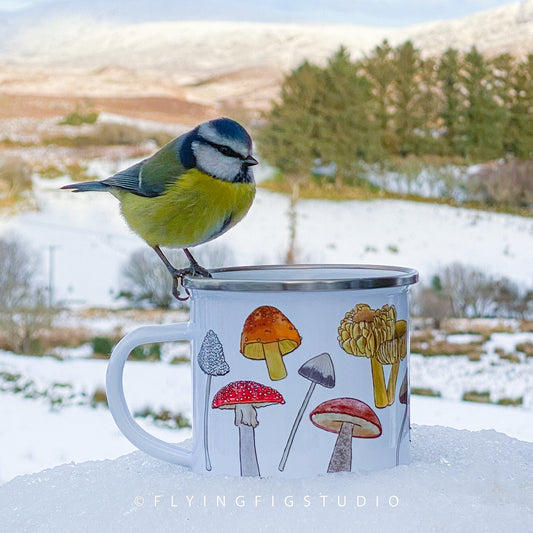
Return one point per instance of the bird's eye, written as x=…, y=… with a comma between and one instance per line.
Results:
x=226, y=150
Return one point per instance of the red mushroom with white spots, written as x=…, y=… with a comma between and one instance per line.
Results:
x=349, y=418
x=244, y=397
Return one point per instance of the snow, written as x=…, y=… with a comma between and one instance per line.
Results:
x=514, y=422
x=464, y=338
x=452, y=376
x=457, y=481
x=203, y=48
x=92, y=240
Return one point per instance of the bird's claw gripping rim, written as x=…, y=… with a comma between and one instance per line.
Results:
x=179, y=275
x=177, y=281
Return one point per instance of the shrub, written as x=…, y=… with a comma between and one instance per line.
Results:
x=102, y=346
x=15, y=177
x=463, y=291
x=99, y=398
x=146, y=281
x=423, y=391
x=23, y=307
x=507, y=184
x=147, y=352
x=475, y=396
x=77, y=118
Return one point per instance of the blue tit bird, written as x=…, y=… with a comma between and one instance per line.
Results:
x=194, y=189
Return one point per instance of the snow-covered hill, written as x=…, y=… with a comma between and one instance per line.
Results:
x=199, y=49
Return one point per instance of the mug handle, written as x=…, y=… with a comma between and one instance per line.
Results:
x=153, y=446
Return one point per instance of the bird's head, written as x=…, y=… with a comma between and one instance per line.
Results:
x=223, y=149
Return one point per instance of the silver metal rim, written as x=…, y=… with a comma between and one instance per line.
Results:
x=399, y=277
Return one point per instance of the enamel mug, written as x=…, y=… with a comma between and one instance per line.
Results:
x=297, y=371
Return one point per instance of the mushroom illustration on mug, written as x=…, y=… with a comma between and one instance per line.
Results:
x=350, y=418
x=268, y=334
x=377, y=335
x=404, y=399
x=318, y=370
x=212, y=362
x=244, y=397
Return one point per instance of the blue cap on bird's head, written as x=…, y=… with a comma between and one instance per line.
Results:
x=228, y=128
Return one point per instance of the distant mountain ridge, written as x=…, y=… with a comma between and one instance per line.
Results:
x=65, y=34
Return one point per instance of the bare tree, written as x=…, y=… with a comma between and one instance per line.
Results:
x=145, y=280
x=23, y=310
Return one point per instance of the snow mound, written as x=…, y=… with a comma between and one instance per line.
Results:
x=457, y=481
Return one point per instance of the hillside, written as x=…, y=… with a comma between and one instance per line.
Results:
x=220, y=64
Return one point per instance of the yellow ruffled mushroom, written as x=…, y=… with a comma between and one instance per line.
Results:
x=375, y=334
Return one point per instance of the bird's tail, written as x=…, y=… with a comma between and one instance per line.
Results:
x=86, y=186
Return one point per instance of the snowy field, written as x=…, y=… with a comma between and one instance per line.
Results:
x=48, y=420
x=92, y=241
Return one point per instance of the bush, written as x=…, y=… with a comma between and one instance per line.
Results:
x=146, y=281
x=463, y=291
x=102, y=346
x=15, y=176
x=507, y=184
x=77, y=118
x=23, y=310
x=146, y=352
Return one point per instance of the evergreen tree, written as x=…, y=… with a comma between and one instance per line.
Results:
x=448, y=75
x=349, y=132
x=503, y=76
x=428, y=106
x=518, y=136
x=407, y=118
x=289, y=140
x=380, y=71
x=483, y=117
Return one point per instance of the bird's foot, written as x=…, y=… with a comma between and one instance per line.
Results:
x=177, y=281
x=195, y=270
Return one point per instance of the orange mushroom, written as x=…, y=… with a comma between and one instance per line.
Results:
x=268, y=334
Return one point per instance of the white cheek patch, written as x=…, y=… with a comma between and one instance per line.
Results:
x=211, y=161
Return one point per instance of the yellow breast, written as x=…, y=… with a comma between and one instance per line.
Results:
x=195, y=209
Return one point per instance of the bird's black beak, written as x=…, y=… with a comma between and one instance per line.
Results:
x=251, y=161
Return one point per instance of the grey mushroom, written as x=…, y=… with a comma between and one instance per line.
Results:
x=318, y=370
x=212, y=362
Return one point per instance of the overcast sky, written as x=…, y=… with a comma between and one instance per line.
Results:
x=388, y=13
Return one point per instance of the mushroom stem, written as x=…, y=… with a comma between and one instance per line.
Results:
x=381, y=398
x=341, y=459
x=247, y=451
x=246, y=414
x=274, y=361
x=393, y=377
x=297, y=421
x=400, y=436
x=206, y=425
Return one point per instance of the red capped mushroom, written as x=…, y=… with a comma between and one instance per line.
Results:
x=349, y=418
x=244, y=397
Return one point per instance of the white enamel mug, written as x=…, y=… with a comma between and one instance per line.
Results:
x=297, y=370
